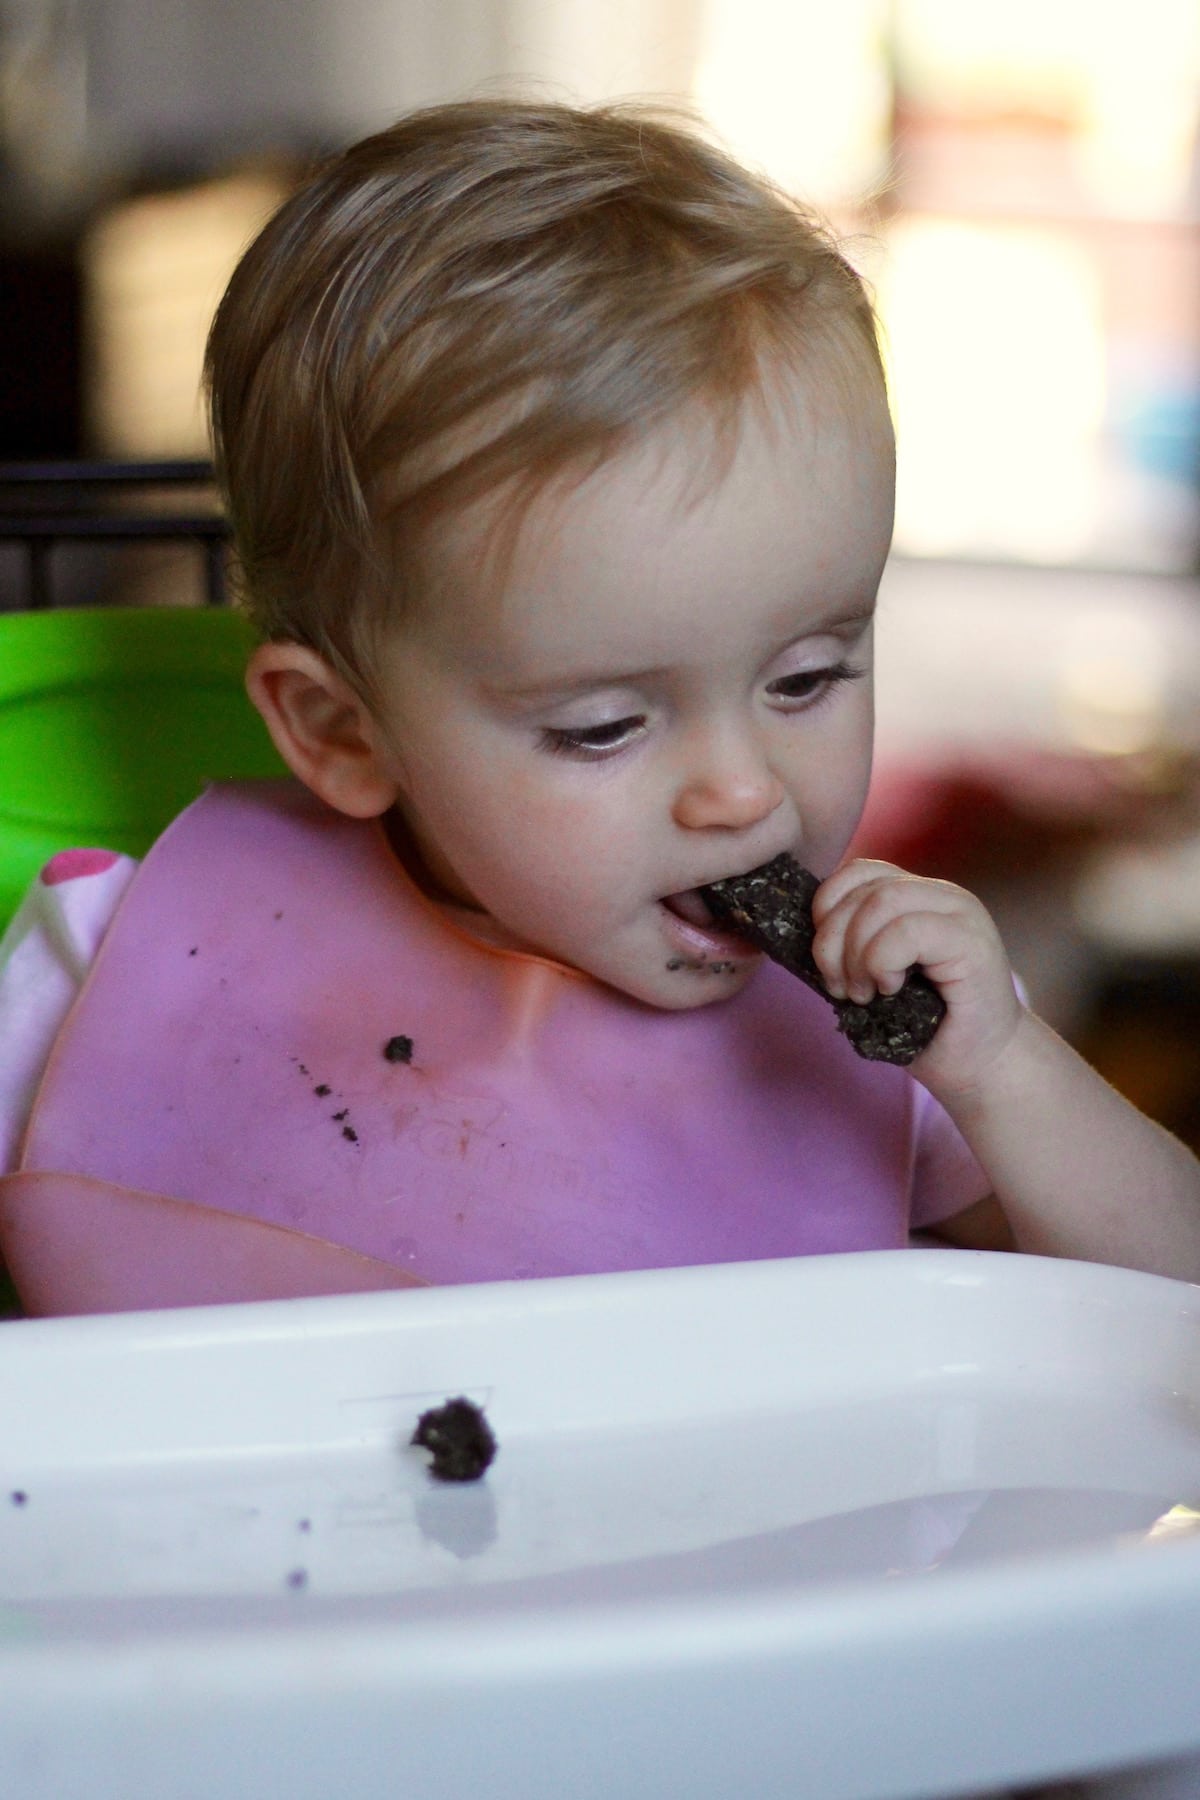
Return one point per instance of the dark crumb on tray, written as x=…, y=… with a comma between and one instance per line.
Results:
x=195, y=951
x=297, y=1578
x=772, y=906
x=322, y=1090
x=19, y=1497
x=339, y=1116
x=303, y=1524
x=459, y=1438
x=349, y=1133
x=398, y=1049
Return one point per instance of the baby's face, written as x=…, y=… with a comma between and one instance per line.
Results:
x=674, y=684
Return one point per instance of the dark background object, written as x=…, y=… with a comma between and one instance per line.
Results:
x=41, y=363
x=46, y=504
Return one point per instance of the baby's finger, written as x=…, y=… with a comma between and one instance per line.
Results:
x=839, y=946
x=877, y=960
x=846, y=880
x=834, y=906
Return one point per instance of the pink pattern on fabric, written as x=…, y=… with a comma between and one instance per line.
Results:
x=69, y=864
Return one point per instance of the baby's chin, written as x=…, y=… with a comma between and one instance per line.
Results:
x=665, y=980
x=682, y=987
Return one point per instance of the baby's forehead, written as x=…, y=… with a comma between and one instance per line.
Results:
x=779, y=531
x=674, y=465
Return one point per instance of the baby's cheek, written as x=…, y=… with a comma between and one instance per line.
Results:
x=555, y=864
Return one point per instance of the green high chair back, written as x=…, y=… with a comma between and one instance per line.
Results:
x=112, y=719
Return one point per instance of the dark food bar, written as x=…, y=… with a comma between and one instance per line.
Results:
x=772, y=906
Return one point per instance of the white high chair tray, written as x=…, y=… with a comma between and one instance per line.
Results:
x=861, y=1525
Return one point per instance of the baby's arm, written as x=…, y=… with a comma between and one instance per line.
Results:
x=1078, y=1171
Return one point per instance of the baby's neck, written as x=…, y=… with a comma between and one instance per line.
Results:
x=465, y=913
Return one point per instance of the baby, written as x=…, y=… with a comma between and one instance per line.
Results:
x=559, y=459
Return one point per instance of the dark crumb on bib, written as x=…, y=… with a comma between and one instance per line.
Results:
x=297, y=1578
x=772, y=906
x=339, y=1116
x=194, y=952
x=458, y=1437
x=398, y=1049
x=303, y=1524
x=19, y=1497
x=349, y=1133
x=322, y=1090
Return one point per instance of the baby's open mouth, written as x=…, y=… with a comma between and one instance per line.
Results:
x=700, y=940
x=691, y=907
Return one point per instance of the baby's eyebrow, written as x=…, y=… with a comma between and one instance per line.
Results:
x=836, y=623
x=843, y=621
x=558, y=688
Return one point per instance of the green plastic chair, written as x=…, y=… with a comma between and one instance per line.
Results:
x=112, y=719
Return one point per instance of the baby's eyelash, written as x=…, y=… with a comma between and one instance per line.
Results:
x=589, y=742
x=821, y=681
x=593, y=743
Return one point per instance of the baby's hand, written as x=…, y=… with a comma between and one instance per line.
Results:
x=874, y=921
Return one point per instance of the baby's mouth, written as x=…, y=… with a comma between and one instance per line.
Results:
x=699, y=940
x=691, y=907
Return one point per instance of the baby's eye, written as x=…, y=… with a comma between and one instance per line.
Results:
x=812, y=684
x=591, y=741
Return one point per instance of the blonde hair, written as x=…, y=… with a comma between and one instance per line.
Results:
x=489, y=292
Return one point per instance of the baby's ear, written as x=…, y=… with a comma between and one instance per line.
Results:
x=322, y=729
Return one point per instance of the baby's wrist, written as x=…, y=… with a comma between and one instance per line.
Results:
x=1003, y=1076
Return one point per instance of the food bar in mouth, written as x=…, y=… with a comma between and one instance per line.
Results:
x=772, y=907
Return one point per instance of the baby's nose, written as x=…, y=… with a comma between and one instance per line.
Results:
x=729, y=784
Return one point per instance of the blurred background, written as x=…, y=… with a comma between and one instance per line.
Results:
x=1019, y=180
